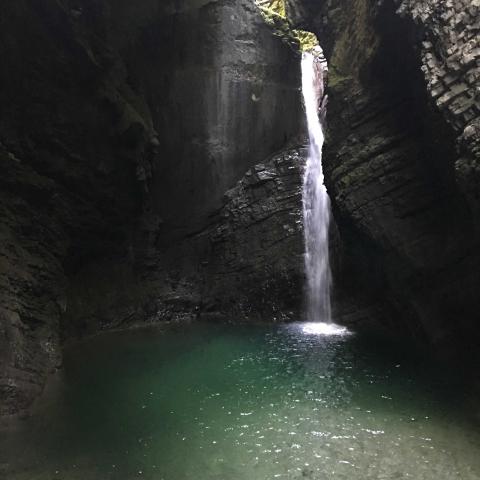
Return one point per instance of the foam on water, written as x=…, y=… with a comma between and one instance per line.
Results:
x=323, y=328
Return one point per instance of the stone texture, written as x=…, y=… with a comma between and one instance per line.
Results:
x=245, y=265
x=401, y=155
x=122, y=124
x=450, y=56
x=30, y=278
x=68, y=187
x=255, y=266
x=227, y=73
x=135, y=186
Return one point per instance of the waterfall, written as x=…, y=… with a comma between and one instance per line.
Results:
x=316, y=203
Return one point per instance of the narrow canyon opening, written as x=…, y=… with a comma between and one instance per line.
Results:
x=204, y=275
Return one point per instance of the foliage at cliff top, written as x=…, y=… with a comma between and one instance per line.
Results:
x=275, y=14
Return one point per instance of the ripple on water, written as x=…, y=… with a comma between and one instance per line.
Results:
x=237, y=404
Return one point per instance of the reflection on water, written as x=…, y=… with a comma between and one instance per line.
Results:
x=236, y=403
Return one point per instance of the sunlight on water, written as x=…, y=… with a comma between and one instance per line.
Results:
x=244, y=403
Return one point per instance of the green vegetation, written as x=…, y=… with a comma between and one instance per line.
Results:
x=275, y=14
x=273, y=7
x=307, y=40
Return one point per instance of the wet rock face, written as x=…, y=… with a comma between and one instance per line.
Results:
x=237, y=100
x=30, y=279
x=134, y=186
x=450, y=56
x=403, y=93
x=122, y=125
x=255, y=266
x=68, y=187
x=245, y=265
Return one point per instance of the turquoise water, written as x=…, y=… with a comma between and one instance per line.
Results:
x=244, y=403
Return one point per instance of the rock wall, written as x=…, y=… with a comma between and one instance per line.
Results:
x=227, y=74
x=122, y=125
x=139, y=185
x=450, y=56
x=255, y=267
x=401, y=156
x=69, y=188
x=245, y=265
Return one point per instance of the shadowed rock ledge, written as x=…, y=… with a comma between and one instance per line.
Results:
x=245, y=265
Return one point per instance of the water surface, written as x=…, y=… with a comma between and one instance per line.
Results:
x=245, y=403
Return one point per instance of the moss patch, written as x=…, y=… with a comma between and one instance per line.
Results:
x=275, y=14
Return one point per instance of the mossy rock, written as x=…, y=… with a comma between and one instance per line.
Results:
x=275, y=14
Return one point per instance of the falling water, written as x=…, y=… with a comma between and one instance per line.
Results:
x=316, y=203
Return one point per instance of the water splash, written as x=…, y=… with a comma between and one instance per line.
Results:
x=325, y=329
x=316, y=203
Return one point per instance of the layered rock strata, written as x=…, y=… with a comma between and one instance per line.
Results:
x=450, y=56
x=401, y=157
x=122, y=126
x=255, y=267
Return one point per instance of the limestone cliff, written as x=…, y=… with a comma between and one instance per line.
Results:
x=402, y=157
x=122, y=125
x=149, y=174
x=255, y=267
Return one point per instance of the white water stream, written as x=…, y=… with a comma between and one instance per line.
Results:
x=316, y=203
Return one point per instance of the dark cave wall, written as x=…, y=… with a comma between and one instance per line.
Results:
x=255, y=266
x=146, y=175
x=68, y=187
x=122, y=125
x=235, y=103
x=226, y=97
x=403, y=97
x=223, y=93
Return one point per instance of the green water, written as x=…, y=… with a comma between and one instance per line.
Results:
x=235, y=403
